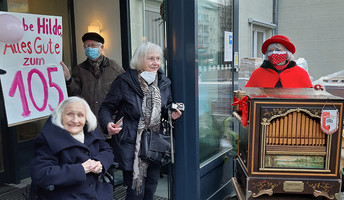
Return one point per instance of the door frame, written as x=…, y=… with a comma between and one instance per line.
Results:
x=17, y=164
x=8, y=137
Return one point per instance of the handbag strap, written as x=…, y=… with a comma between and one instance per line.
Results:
x=171, y=133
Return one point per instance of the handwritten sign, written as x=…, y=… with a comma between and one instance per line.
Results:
x=34, y=83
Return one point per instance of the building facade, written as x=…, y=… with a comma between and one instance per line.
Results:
x=205, y=43
x=192, y=36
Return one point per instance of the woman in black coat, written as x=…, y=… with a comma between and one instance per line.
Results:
x=70, y=154
x=145, y=91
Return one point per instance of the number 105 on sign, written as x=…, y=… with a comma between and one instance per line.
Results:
x=32, y=92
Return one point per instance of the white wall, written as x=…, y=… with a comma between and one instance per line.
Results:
x=316, y=28
x=260, y=10
x=107, y=14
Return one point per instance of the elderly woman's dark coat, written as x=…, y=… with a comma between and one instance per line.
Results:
x=57, y=163
x=122, y=97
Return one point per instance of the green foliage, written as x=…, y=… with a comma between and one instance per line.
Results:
x=212, y=130
x=230, y=134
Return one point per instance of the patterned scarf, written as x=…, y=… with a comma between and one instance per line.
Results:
x=96, y=69
x=151, y=108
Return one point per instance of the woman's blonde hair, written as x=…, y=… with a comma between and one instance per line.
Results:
x=56, y=115
x=141, y=53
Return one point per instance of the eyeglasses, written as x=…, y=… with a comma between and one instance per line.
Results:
x=152, y=59
x=93, y=45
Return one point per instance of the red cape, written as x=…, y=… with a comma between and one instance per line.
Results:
x=294, y=77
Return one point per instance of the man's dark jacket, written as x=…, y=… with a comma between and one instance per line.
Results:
x=93, y=89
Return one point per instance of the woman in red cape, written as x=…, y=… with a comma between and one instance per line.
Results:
x=278, y=69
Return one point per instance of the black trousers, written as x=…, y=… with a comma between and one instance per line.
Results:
x=149, y=184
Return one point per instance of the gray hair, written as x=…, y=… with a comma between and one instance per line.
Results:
x=290, y=56
x=56, y=115
x=141, y=53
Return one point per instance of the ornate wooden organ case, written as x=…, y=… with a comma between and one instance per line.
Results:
x=283, y=149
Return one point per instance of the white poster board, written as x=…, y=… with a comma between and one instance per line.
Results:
x=34, y=82
x=228, y=46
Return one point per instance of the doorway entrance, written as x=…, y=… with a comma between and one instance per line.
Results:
x=16, y=143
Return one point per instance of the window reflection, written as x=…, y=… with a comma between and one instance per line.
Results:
x=148, y=24
x=215, y=78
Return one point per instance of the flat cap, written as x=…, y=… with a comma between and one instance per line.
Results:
x=92, y=36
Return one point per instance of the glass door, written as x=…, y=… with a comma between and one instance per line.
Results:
x=218, y=142
x=147, y=23
x=215, y=50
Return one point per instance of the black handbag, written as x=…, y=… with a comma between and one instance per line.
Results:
x=155, y=147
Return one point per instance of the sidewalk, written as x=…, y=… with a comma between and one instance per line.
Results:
x=17, y=191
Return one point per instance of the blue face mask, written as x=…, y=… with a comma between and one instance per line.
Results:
x=92, y=53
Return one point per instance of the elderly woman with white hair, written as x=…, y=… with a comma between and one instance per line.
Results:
x=144, y=91
x=279, y=70
x=70, y=154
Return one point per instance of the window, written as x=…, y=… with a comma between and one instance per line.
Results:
x=259, y=36
x=259, y=31
x=215, y=79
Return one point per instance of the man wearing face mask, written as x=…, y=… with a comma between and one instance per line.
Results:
x=279, y=70
x=92, y=78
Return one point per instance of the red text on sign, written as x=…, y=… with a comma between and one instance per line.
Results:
x=18, y=82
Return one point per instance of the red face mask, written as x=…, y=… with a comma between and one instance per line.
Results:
x=277, y=57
